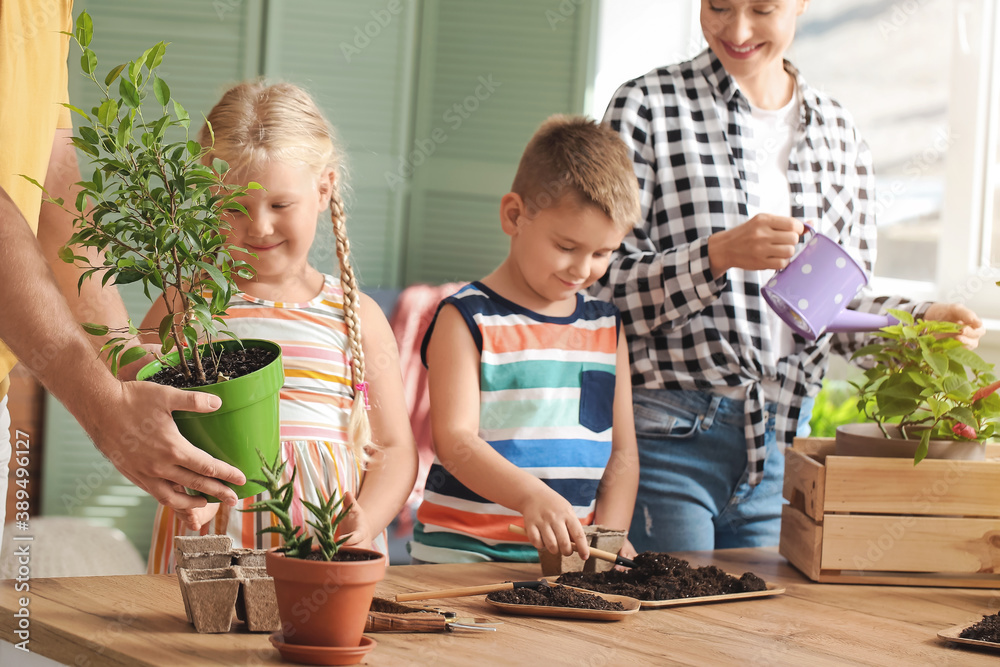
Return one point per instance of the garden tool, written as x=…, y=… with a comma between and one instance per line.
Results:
x=812, y=292
x=470, y=590
x=388, y=616
x=596, y=553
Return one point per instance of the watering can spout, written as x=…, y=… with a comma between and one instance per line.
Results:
x=851, y=320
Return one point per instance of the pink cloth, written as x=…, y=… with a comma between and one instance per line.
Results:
x=410, y=318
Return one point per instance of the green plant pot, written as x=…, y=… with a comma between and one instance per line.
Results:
x=246, y=422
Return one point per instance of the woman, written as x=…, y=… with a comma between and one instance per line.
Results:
x=733, y=150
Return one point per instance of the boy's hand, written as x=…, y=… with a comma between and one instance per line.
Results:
x=196, y=517
x=356, y=525
x=627, y=550
x=552, y=525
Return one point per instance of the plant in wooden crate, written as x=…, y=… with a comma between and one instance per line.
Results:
x=324, y=589
x=925, y=387
x=154, y=214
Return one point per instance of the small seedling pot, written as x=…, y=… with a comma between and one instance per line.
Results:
x=247, y=420
x=337, y=593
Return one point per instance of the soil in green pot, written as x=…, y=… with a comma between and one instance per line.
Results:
x=986, y=630
x=554, y=596
x=232, y=365
x=658, y=576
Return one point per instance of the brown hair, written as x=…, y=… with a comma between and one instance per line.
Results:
x=255, y=123
x=573, y=154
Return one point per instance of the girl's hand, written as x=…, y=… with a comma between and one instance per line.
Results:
x=356, y=525
x=196, y=517
x=552, y=525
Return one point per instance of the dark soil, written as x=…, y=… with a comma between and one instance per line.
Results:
x=661, y=577
x=231, y=364
x=343, y=556
x=986, y=630
x=554, y=596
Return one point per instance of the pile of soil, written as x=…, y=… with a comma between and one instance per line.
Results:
x=554, y=596
x=231, y=364
x=986, y=630
x=658, y=576
x=343, y=556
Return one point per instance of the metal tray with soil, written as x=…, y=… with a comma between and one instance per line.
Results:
x=660, y=580
x=563, y=602
x=985, y=633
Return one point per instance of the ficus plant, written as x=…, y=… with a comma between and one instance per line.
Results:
x=924, y=380
x=326, y=517
x=152, y=210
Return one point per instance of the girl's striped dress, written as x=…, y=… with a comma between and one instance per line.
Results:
x=315, y=404
x=547, y=389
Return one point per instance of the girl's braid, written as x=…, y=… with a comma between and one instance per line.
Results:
x=359, y=432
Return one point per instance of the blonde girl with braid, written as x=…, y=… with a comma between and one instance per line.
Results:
x=344, y=425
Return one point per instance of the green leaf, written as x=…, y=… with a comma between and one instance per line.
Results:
x=193, y=148
x=220, y=166
x=113, y=74
x=938, y=362
x=84, y=29
x=95, y=329
x=131, y=354
x=154, y=56
x=129, y=93
x=90, y=135
x=66, y=254
x=107, y=113
x=182, y=115
x=921, y=452
x=76, y=109
x=88, y=61
x=161, y=90
x=970, y=359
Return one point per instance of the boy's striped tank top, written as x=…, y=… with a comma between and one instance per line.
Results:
x=546, y=396
x=315, y=404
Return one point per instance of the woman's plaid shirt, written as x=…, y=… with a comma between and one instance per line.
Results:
x=685, y=125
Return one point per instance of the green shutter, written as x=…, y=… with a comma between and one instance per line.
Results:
x=490, y=73
x=356, y=58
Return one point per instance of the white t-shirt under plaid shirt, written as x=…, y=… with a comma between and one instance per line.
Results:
x=686, y=125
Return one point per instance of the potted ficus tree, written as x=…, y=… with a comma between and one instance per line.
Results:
x=155, y=214
x=324, y=589
x=926, y=395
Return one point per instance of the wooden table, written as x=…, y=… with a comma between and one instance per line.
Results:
x=139, y=620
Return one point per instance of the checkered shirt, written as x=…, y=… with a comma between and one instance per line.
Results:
x=685, y=126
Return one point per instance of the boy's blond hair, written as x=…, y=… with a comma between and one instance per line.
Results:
x=255, y=123
x=575, y=155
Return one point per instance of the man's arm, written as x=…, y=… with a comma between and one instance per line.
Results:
x=131, y=422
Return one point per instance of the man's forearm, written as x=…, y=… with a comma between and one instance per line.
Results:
x=37, y=324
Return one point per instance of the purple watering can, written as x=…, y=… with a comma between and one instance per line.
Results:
x=812, y=292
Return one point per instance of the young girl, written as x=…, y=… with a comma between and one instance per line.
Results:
x=277, y=136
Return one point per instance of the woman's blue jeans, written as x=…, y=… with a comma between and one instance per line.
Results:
x=693, y=490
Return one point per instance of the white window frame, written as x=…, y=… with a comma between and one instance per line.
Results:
x=972, y=174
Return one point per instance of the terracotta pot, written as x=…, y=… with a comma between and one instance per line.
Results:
x=324, y=603
x=866, y=439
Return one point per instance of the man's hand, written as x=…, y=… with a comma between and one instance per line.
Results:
x=134, y=428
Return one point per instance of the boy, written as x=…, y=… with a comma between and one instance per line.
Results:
x=529, y=378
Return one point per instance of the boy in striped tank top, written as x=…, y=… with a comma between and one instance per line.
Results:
x=531, y=407
x=277, y=136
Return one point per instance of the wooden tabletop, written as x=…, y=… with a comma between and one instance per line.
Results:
x=139, y=620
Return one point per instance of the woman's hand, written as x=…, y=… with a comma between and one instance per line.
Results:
x=972, y=327
x=552, y=525
x=356, y=525
x=764, y=241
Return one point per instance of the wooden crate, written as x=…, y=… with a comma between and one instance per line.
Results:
x=859, y=520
